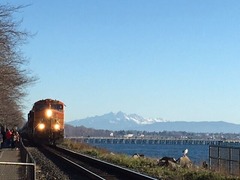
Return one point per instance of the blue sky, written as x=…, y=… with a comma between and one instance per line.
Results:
x=178, y=60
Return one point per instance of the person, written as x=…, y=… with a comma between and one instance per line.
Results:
x=1, y=140
x=16, y=138
x=8, y=138
x=3, y=132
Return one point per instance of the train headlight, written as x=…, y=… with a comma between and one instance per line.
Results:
x=49, y=113
x=41, y=126
x=56, y=126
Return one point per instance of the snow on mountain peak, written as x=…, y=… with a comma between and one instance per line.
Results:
x=137, y=119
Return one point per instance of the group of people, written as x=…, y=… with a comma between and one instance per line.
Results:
x=9, y=138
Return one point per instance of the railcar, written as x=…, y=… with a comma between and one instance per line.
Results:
x=46, y=122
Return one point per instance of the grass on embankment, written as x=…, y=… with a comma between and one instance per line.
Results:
x=146, y=165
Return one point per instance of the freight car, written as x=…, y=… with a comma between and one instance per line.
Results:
x=45, y=122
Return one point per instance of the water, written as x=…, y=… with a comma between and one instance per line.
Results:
x=196, y=153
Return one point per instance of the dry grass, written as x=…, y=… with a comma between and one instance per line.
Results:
x=147, y=165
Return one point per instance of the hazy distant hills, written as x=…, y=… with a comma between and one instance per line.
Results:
x=121, y=121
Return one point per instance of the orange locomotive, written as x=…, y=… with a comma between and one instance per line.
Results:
x=46, y=121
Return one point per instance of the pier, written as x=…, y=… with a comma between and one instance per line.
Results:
x=116, y=140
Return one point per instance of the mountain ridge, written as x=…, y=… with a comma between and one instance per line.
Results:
x=121, y=121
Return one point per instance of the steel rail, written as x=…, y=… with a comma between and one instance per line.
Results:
x=79, y=170
x=114, y=170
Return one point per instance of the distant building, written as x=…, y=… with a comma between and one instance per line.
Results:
x=128, y=136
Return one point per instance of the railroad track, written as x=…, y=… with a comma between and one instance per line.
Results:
x=80, y=166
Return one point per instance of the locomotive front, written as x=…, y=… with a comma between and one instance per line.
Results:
x=46, y=120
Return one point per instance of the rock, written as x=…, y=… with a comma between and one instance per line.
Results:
x=165, y=161
x=185, y=162
x=172, y=165
x=136, y=155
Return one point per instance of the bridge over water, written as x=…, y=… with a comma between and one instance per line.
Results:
x=115, y=140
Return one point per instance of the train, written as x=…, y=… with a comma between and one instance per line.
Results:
x=45, y=122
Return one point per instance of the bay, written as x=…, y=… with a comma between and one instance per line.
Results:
x=197, y=153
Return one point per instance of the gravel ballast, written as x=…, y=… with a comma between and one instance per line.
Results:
x=45, y=168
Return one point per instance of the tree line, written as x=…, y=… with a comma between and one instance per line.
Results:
x=81, y=131
x=14, y=76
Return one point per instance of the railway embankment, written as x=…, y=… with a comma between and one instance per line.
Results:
x=148, y=166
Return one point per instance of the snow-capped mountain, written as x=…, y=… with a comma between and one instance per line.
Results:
x=139, y=119
x=121, y=121
x=115, y=121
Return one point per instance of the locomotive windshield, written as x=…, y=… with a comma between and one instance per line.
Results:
x=58, y=107
x=40, y=107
